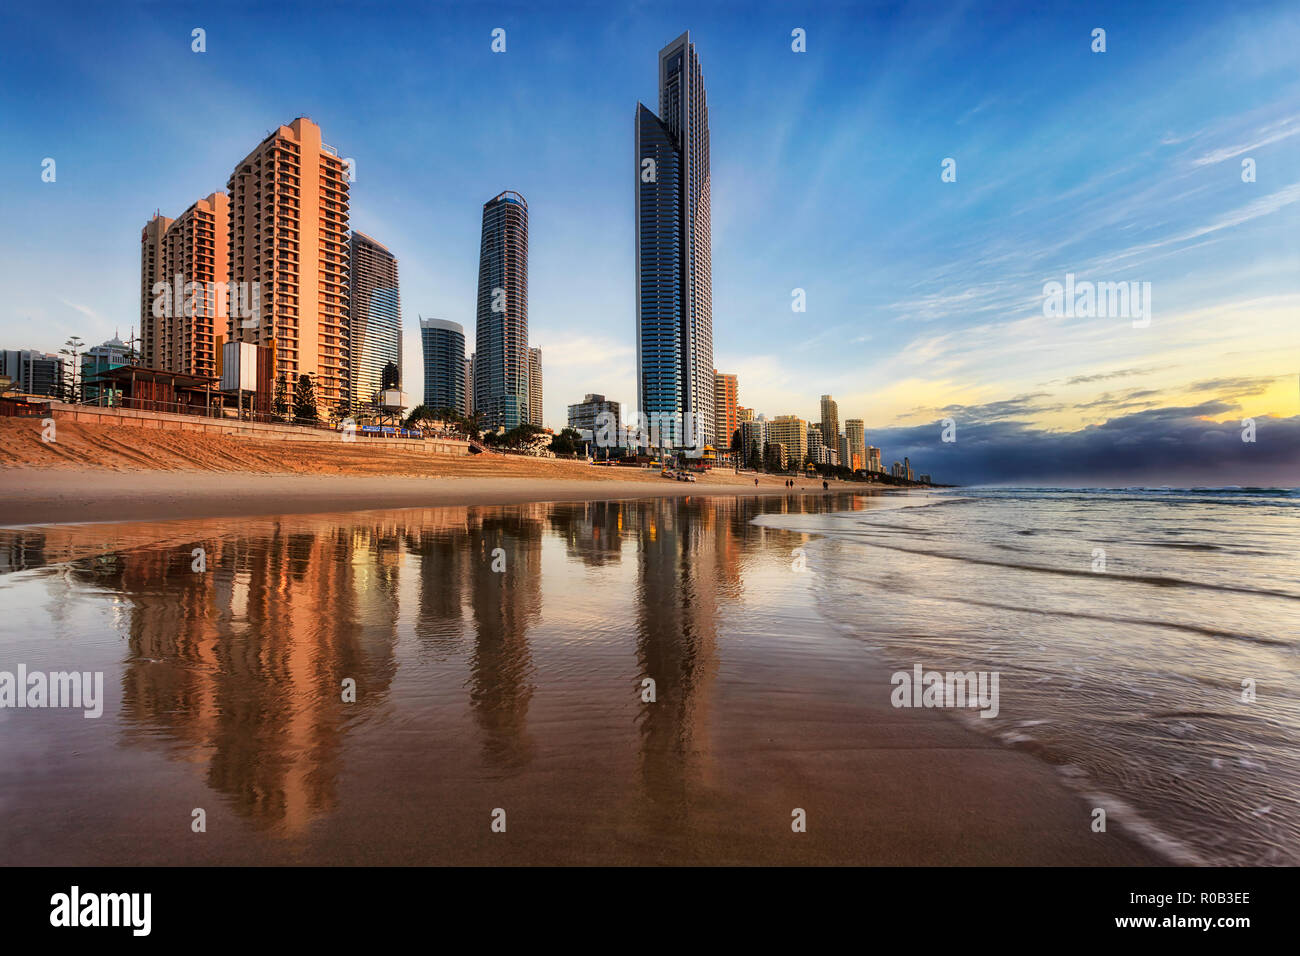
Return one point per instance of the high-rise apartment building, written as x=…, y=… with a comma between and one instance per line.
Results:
x=674, y=292
x=753, y=437
x=469, y=385
x=726, y=408
x=445, y=366
x=152, y=258
x=374, y=317
x=535, y=386
x=184, y=264
x=830, y=424
x=501, y=337
x=792, y=432
x=289, y=233
x=856, y=436
x=873, y=459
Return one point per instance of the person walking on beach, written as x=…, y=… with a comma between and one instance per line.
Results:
x=825, y=486
x=755, y=482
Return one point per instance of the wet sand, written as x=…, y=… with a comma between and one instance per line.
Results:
x=479, y=691
x=49, y=495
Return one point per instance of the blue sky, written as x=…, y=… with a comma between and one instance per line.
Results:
x=924, y=298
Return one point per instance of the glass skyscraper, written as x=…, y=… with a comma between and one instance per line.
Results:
x=375, y=316
x=443, y=344
x=674, y=294
x=501, y=336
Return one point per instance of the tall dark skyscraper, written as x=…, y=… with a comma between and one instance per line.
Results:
x=674, y=268
x=501, y=336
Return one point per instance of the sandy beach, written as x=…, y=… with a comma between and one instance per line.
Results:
x=115, y=473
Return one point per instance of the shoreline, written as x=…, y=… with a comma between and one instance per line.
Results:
x=44, y=496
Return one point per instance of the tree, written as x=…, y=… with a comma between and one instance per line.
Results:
x=71, y=348
x=566, y=442
x=280, y=398
x=304, y=401
x=390, y=377
x=423, y=413
x=755, y=455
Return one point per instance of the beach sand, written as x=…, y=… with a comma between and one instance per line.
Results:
x=117, y=473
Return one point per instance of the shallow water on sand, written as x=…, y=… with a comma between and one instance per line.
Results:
x=499, y=657
x=1123, y=625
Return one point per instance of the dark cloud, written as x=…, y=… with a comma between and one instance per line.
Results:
x=1118, y=373
x=1022, y=406
x=1159, y=446
x=1234, y=386
x=1124, y=400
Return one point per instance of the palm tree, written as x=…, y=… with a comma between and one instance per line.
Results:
x=71, y=348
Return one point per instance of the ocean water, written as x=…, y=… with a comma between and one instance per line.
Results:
x=1128, y=628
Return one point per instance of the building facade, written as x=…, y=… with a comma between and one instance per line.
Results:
x=152, y=258
x=753, y=439
x=726, y=407
x=469, y=385
x=374, y=317
x=855, y=434
x=501, y=337
x=830, y=424
x=184, y=265
x=112, y=354
x=443, y=345
x=674, y=293
x=585, y=416
x=33, y=373
x=792, y=432
x=535, y=386
x=289, y=233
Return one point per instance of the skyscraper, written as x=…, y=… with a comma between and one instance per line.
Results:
x=831, y=423
x=289, y=233
x=726, y=411
x=792, y=432
x=856, y=437
x=501, y=337
x=153, y=257
x=190, y=256
x=374, y=316
x=469, y=385
x=443, y=344
x=535, y=386
x=674, y=293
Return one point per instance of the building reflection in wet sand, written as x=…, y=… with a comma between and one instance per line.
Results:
x=239, y=669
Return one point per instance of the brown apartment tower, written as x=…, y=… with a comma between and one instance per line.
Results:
x=189, y=256
x=289, y=233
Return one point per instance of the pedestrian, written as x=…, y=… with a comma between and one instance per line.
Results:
x=825, y=486
x=755, y=482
